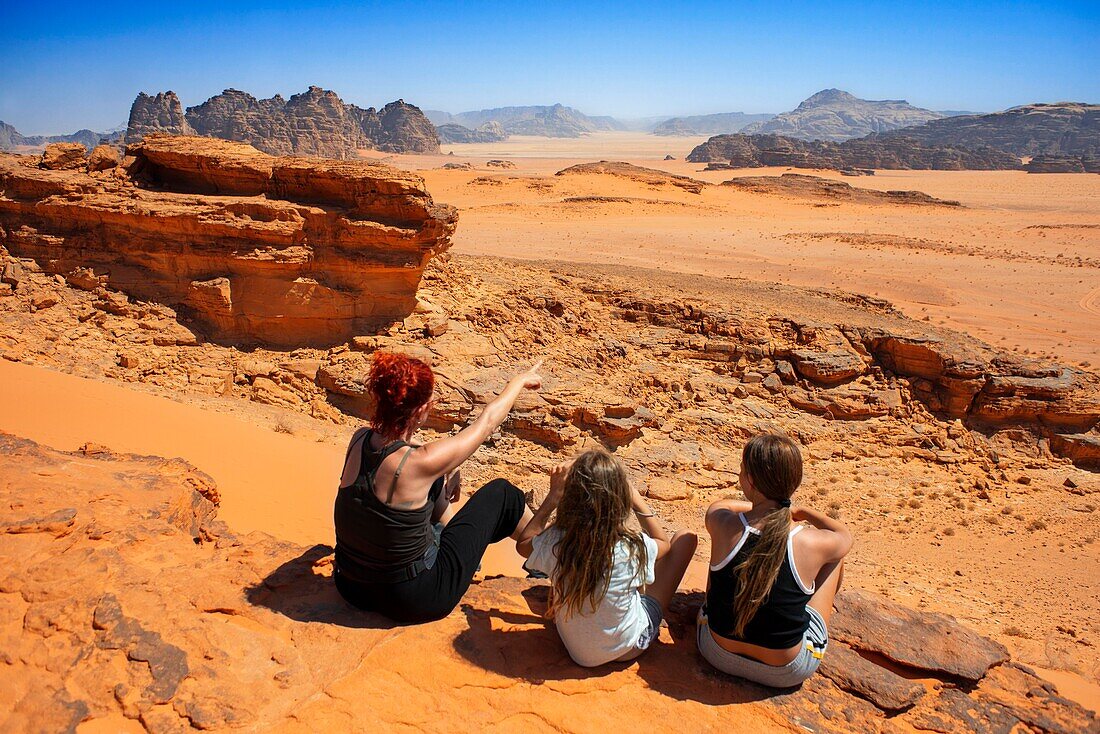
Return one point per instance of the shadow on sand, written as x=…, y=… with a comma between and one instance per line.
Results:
x=528, y=648
x=297, y=589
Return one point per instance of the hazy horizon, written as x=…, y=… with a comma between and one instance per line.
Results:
x=70, y=68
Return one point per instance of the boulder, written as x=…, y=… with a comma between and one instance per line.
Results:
x=64, y=156
x=926, y=641
x=103, y=157
x=828, y=368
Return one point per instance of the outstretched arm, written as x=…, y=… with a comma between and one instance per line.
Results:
x=541, y=520
x=440, y=457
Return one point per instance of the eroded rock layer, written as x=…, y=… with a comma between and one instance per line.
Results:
x=139, y=610
x=254, y=248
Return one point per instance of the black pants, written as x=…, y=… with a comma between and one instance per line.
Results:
x=489, y=516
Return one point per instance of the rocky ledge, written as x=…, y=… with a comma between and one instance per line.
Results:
x=252, y=248
x=139, y=609
x=814, y=187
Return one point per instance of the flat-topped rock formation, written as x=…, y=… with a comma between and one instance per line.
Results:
x=490, y=132
x=835, y=115
x=753, y=151
x=315, y=123
x=1063, y=164
x=1063, y=128
x=815, y=187
x=176, y=623
x=723, y=123
x=253, y=248
x=649, y=176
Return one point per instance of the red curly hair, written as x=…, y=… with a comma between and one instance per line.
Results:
x=401, y=385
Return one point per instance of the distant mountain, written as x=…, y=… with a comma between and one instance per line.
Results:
x=1063, y=128
x=553, y=121
x=723, y=123
x=835, y=115
x=11, y=138
x=490, y=132
x=751, y=151
x=316, y=122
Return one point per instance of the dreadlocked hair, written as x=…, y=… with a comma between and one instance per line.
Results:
x=773, y=464
x=592, y=516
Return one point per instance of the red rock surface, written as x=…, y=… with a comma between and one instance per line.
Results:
x=257, y=249
x=137, y=606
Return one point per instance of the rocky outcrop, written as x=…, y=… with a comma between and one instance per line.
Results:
x=490, y=132
x=1064, y=128
x=160, y=113
x=314, y=123
x=1062, y=164
x=139, y=609
x=835, y=115
x=550, y=121
x=723, y=123
x=814, y=187
x=753, y=151
x=990, y=390
x=648, y=176
x=256, y=249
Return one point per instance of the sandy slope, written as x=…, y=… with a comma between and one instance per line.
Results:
x=1004, y=268
x=279, y=483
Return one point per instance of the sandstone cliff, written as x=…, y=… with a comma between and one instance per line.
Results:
x=1064, y=128
x=750, y=151
x=256, y=249
x=138, y=609
x=316, y=123
x=835, y=115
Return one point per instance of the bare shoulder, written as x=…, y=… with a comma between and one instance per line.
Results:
x=828, y=543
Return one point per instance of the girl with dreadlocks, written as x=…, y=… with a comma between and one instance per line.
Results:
x=772, y=580
x=610, y=583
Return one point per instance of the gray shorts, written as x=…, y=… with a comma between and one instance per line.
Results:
x=814, y=643
x=652, y=631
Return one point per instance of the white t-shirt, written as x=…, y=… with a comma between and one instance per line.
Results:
x=614, y=628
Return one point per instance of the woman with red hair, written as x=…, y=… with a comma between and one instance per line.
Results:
x=389, y=558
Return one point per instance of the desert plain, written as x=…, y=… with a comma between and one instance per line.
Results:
x=996, y=531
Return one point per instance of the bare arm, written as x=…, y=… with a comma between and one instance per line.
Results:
x=440, y=457
x=538, y=524
x=836, y=542
x=648, y=521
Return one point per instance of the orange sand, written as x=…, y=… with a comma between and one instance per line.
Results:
x=1001, y=269
x=272, y=482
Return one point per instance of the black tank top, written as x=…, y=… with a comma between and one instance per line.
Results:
x=782, y=620
x=376, y=543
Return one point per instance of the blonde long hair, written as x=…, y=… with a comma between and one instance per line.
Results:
x=592, y=519
x=773, y=464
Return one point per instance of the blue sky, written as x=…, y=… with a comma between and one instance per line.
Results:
x=67, y=66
